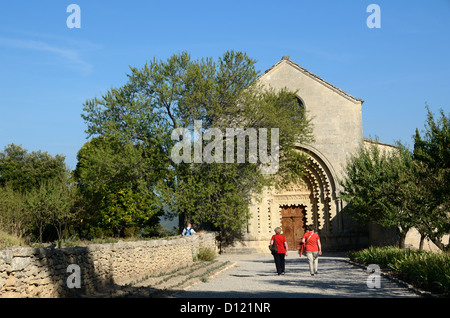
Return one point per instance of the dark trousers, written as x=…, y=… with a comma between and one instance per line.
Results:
x=279, y=262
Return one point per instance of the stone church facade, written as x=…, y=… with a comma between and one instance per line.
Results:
x=338, y=132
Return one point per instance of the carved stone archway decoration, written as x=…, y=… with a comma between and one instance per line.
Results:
x=317, y=194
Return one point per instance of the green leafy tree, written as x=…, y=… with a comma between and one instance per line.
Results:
x=379, y=187
x=34, y=192
x=51, y=204
x=165, y=95
x=25, y=171
x=432, y=159
x=115, y=179
x=405, y=189
x=13, y=215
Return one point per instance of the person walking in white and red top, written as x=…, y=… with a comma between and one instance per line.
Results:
x=282, y=246
x=313, y=249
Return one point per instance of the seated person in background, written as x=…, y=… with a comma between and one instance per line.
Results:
x=188, y=230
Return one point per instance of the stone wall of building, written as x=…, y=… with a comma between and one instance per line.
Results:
x=380, y=236
x=336, y=116
x=337, y=128
x=46, y=272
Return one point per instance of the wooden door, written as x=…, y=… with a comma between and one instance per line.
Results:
x=292, y=224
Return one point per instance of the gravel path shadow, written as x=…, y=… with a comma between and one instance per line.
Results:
x=254, y=276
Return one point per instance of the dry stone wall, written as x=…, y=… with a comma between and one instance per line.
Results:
x=77, y=271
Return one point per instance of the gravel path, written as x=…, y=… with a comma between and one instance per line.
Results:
x=254, y=276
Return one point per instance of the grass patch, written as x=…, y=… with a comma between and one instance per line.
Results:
x=426, y=270
x=8, y=240
x=206, y=254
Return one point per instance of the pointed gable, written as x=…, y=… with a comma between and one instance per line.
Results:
x=336, y=116
x=285, y=61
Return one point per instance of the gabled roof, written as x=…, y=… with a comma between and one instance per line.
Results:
x=286, y=59
x=377, y=142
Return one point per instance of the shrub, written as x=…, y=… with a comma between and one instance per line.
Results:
x=206, y=254
x=382, y=256
x=129, y=231
x=8, y=240
x=427, y=270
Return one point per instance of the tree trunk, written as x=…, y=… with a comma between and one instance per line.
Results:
x=41, y=231
x=439, y=244
x=422, y=239
x=401, y=241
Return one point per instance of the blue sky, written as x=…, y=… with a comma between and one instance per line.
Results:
x=47, y=70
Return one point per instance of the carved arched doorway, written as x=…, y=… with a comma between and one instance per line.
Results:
x=312, y=202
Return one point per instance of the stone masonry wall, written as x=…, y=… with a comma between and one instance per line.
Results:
x=44, y=272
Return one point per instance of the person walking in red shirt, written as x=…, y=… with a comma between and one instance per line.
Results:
x=282, y=246
x=313, y=249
